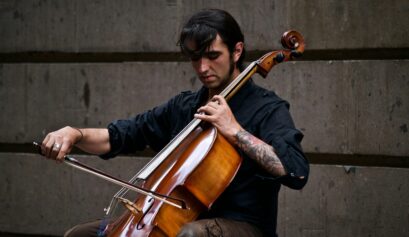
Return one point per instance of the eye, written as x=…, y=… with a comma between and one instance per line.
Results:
x=212, y=55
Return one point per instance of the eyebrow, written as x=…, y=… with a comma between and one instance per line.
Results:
x=212, y=52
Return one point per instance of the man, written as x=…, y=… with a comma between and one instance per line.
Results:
x=256, y=121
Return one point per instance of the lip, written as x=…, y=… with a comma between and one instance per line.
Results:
x=208, y=78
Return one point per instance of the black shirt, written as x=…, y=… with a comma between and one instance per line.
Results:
x=253, y=194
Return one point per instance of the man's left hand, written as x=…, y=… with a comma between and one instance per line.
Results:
x=218, y=113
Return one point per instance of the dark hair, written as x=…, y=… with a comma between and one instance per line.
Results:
x=203, y=27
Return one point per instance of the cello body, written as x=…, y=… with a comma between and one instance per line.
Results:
x=197, y=172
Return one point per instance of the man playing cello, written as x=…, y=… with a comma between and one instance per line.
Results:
x=256, y=121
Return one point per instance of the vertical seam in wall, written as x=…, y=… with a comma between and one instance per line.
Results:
x=25, y=96
x=349, y=110
x=355, y=119
x=76, y=26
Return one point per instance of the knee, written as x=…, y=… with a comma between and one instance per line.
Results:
x=89, y=229
x=77, y=231
x=70, y=232
x=191, y=230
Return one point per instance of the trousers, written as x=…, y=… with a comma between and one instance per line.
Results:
x=215, y=227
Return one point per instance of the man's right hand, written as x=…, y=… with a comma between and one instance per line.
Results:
x=59, y=143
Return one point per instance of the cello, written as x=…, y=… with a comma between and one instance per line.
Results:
x=187, y=176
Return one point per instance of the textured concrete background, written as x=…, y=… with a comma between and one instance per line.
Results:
x=85, y=63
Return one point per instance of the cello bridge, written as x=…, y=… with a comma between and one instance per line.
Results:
x=130, y=206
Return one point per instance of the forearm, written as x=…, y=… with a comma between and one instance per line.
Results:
x=94, y=140
x=261, y=152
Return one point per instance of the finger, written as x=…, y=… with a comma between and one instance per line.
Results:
x=56, y=147
x=43, y=145
x=65, y=149
x=55, y=150
x=219, y=99
x=209, y=110
x=213, y=104
x=49, y=147
x=223, y=106
x=204, y=117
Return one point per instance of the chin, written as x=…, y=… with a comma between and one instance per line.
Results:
x=212, y=86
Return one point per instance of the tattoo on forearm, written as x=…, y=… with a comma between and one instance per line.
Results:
x=261, y=152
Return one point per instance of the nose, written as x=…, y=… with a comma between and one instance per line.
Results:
x=202, y=65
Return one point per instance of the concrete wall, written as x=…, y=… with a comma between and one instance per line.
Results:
x=85, y=63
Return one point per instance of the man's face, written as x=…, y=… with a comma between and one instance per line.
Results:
x=216, y=68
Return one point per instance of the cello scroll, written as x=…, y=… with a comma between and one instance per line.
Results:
x=294, y=45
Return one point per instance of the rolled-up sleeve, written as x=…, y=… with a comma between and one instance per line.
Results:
x=278, y=130
x=147, y=129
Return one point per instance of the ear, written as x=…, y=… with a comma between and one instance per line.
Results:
x=238, y=50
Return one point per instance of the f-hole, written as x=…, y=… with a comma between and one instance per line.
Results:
x=140, y=226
